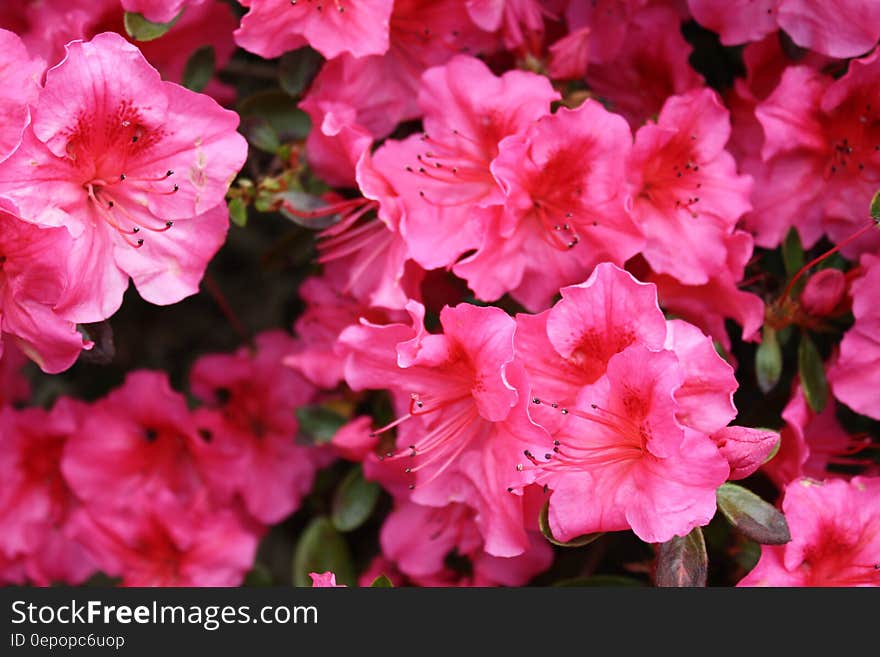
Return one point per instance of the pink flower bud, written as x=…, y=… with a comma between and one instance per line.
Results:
x=745, y=449
x=823, y=292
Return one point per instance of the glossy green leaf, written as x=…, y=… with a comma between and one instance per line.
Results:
x=318, y=423
x=812, y=373
x=682, y=561
x=875, y=207
x=140, y=29
x=278, y=110
x=297, y=69
x=752, y=516
x=768, y=360
x=792, y=253
x=322, y=548
x=382, y=582
x=200, y=68
x=238, y=212
x=354, y=501
x=544, y=524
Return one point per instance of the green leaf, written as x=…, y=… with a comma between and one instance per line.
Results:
x=875, y=207
x=322, y=548
x=260, y=134
x=599, y=580
x=544, y=524
x=238, y=212
x=140, y=29
x=792, y=253
x=353, y=501
x=682, y=561
x=382, y=582
x=199, y=68
x=752, y=516
x=319, y=423
x=278, y=110
x=768, y=360
x=297, y=69
x=812, y=373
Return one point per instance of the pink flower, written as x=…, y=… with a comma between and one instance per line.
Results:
x=443, y=177
x=252, y=427
x=516, y=19
x=687, y=194
x=854, y=378
x=325, y=581
x=568, y=347
x=824, y=292
x=160, y=11
x=834, y=538
x=134, y=167
x=336, y=142
x=139, y=441
x=826, y=131
x=565, y=207
x=383, y=89
x=745, y=449
x=14, y=387
x=623, y=460
x=422, y=541
x=651, y=66
x=609, y=22
x=466, y=417
x=810, y=442
x=273, y=27
x=19, y=86
x=162, y=543
x=37, y=508
x=847, y=29
x=570, y=55
x=316, y=354
x=708, y=306
x=32, y=281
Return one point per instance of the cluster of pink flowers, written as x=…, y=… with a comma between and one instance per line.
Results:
x=547, y=236
x=138, y=485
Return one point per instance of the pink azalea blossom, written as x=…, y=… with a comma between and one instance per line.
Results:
x=252, y=427
x=854, y=378
x=517, y=20
x=708, y=306
x=834, y=538
x=139, y=441
x=622, y=459
x=824, y=292
x=565, y=207
x=136, y=172
x=687, y=193
x=19, y=87
x=32, y=281
x=37, y=507
x=273, y=27
x=163, y=543
x=316, y=354
x=383, y=89
x=325, y=581
x=822, y=130
x=466, y=418
x=14, y=387
x=420, y=540
x=568, y=347
x=651, y=66
x=570, y=56
x=444, y=177
x=609, y=22
x=846, y=29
